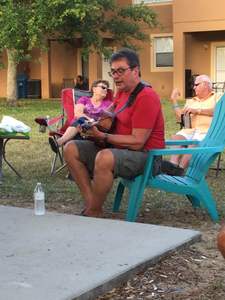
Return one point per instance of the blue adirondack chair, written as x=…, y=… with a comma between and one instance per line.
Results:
x=193, y=185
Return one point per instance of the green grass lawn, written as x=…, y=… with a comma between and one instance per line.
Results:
x=32, y=158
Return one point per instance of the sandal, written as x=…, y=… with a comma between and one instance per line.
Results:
x=53, y=144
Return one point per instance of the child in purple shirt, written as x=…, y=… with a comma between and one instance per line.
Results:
x=86, y=109
x=91, y=110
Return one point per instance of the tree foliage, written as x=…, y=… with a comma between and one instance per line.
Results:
x=26, y=24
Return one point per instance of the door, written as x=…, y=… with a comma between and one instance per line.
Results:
x=218, y=66
x=218, y=62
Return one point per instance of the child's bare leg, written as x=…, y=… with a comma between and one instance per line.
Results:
x=68, y=135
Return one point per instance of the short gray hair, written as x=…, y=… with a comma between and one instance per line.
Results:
x=205, y=78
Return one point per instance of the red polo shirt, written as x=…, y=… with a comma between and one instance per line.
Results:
x=144, y=113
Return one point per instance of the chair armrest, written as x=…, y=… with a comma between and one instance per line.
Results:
x=52, y=124
x=181, y=151
x=55, y=120
x=148, y=168
x=43, y=121
x=181, y=142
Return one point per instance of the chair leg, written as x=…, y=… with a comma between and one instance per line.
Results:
x=194, y=201
x=218, y=164
x=53, y=167
x=118, y=197
x=217, y=168
x=135, y=199
x=53, y=164
x=208, y=202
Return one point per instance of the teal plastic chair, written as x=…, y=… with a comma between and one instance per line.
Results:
x=193, y=185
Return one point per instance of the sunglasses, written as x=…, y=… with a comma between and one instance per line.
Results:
x=119, y=71
x=103, y=87
x=197, y=84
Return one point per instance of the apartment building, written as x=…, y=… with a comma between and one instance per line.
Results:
x=189, y=41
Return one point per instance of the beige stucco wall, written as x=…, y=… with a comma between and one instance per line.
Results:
x=161, y=81
x=35, y=65
x=195, y=11
x=63, y=65
x=207, y=16
x=198, y=55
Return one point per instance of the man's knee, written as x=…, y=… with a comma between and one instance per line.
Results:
x=70, y=151
x=104, y=160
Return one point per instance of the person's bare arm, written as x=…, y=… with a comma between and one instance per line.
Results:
x=195, y=111
x=135, y=141
x=79, y=111
x=177, y=110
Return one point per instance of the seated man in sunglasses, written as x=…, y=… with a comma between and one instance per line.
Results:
x=138, y=128
x=198, y=113
x=86, y=109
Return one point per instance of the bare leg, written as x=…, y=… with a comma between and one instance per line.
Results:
x=102, y=181
x=94, y=193
x=78, y=171
x=176, y=158
x=68, y=135
x=186, y=158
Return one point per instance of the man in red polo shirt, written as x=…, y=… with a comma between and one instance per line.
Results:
x=139, y=127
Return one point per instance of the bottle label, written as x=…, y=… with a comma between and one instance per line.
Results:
x=39, y=196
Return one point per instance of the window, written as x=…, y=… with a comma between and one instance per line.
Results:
x=162, y=52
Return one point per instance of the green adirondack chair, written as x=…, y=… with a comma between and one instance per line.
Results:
x=193, y=185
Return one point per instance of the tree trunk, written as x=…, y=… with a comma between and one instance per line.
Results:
x=11, y=78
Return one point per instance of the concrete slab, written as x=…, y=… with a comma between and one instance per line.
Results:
x=58, y=256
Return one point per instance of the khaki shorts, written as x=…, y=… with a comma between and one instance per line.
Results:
x=128, y=163
x=192, y=135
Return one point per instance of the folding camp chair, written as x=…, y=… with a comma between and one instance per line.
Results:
x=58, y=125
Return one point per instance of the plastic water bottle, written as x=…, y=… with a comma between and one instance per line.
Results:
x=39, y=200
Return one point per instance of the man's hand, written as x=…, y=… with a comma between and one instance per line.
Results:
x=175, y=95
x=178, y=115
x=189, y=110
x=93, y=132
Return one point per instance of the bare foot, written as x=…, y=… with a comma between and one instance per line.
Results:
x=92, y=213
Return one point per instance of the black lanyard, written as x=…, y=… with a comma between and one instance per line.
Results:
x=131, y=98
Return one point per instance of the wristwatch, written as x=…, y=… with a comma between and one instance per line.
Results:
x=105, y=139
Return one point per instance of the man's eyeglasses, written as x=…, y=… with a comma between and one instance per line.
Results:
x=119, y=71
x=103, y=87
